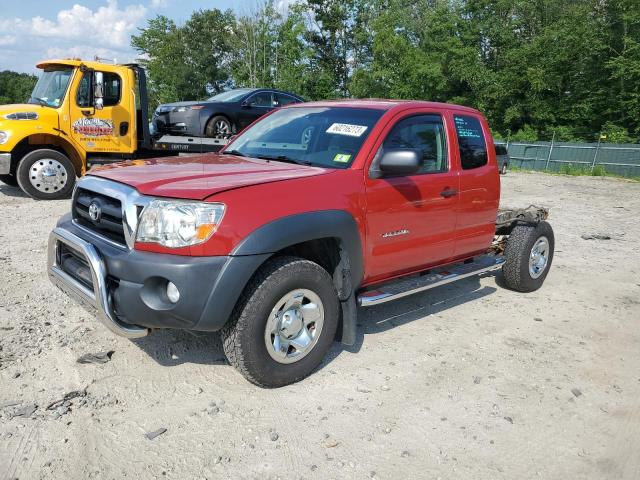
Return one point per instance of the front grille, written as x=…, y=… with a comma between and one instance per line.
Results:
x=109, y=224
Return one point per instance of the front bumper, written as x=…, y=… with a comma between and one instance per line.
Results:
x=126, y=289
x=181, y=123
x=5, y=163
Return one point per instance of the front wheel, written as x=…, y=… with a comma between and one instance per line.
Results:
x=284, y=322
x=46, y=175
x=218, y=127
x=503, y=170
x=528, y=255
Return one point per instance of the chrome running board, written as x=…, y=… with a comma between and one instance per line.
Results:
x=435, y=278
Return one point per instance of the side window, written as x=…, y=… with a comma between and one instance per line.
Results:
x=286, y=100
x=424, y=133
x=473, y=149
x=111, y=90
x=112, y=86
x=262, y=99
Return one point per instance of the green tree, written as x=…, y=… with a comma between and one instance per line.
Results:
x=16, y=87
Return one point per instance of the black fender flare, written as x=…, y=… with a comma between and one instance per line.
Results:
x=277, y=235
x=303, y=227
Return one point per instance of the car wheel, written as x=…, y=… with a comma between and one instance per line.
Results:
x=9, y=180
x=46, y=175
x=503, y=170
x=528, y=256
x=284, y=323
x=218, y=127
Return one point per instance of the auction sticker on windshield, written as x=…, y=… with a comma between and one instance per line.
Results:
x=347, y=129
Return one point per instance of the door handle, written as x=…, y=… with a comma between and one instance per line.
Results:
x=448, y=192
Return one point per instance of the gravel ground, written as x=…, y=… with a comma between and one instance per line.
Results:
x=467, y=381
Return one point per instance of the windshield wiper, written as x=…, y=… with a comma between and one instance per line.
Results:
x=238, y=153
x=284, y=158
x=41, y=101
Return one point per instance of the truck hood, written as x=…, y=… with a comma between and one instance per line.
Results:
x=199, y=177
x=21, y=113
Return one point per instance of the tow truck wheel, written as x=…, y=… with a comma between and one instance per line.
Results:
x=528, y=255
x=9, y=180
x=284, y=323
x=218, y=127
x=46, y=175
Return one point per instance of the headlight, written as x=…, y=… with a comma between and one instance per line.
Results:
x=175, y=224
x=4, y=136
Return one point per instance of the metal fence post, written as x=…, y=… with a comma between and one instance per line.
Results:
x=550, y=150
x=595, y=155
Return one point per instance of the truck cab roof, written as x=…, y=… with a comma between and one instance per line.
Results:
x=384, y=104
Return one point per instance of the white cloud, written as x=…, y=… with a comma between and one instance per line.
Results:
x=108, y=25
x=159, y=3
x=75, y=32
x=7, y=40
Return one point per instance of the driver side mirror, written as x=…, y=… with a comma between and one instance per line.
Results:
x=98, y=90
x=400, y=162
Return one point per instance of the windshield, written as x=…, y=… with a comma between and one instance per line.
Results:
x=51, y=87
x=322, y=136
x=231, y=95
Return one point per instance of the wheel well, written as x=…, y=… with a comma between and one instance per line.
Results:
x=41, y=141
x=323, y=251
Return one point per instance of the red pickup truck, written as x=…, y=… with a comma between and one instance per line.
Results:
x=311, y=211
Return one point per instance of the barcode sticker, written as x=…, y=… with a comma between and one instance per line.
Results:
x=347, y=129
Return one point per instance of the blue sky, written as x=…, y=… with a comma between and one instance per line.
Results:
x=32, y=30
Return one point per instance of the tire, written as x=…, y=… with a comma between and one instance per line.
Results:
x=246, y=338
x=218, y=127
x=503, y=169
x=9, y=180
x=522, y=271
x=46, y=175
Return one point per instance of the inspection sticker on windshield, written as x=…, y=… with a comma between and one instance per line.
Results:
x=347, y=129
x=342, y=157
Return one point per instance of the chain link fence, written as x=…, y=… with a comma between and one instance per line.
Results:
x=617, y=159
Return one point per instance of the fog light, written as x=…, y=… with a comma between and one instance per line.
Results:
x=173, y=293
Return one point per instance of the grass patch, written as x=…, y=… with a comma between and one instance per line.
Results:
x=576, y=171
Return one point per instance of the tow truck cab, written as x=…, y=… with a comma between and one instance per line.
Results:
x=80, y=113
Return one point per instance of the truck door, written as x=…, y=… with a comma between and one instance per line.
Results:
x=411, y=219
x=479, y=185
x=109, y=130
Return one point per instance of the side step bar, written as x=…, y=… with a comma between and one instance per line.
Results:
x=437, y=277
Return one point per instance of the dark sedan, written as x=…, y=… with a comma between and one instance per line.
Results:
x=221, y=115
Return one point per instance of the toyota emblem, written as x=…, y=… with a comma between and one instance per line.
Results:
x=95, y=212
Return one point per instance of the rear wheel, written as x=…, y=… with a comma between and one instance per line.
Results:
x=218, y=127
x=283, y=324
x=9, y=180
x=528, y=254
x=46, y=174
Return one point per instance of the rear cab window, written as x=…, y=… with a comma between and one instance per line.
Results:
x=473, y=147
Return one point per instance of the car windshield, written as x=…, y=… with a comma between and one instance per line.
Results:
x=51, y=87
x=230, y=96
x=322, y=136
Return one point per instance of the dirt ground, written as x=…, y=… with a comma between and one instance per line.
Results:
x=468, y=381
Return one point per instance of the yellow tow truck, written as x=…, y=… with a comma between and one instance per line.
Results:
x=81, y=113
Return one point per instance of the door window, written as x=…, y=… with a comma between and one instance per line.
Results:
x=262, y=99
x=111, y=90
x=424, y=133
x=473, y=149
x=286, y=100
